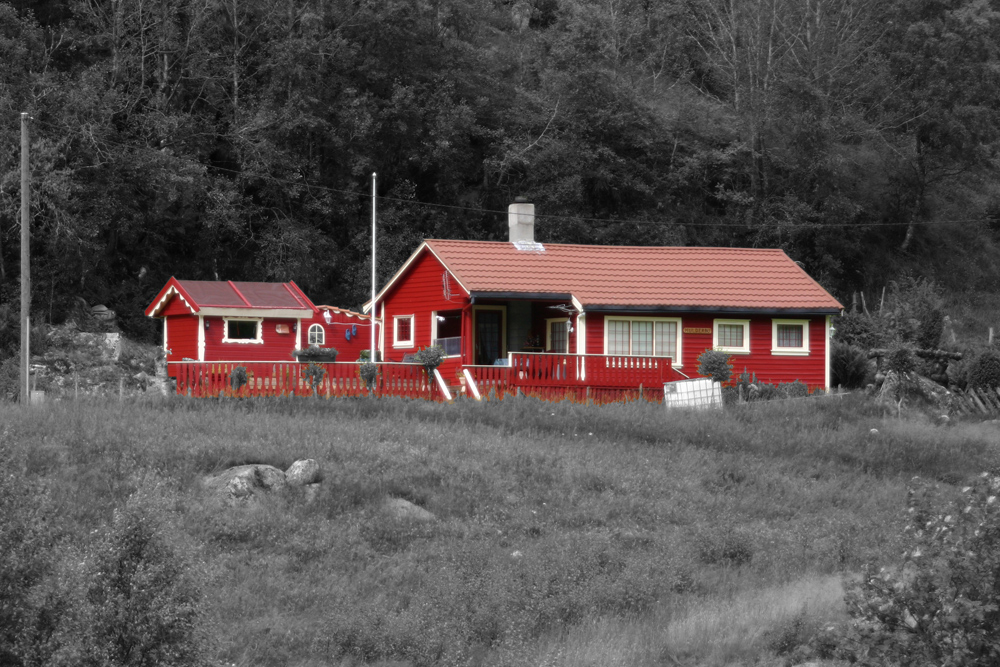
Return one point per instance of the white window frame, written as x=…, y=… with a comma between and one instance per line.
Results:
x=675, y=361
x=790, y=351
x=434, y=331
x=253, y=341
x=322, y=335
x=744, y=349
x=548, y=332
x=396, y=342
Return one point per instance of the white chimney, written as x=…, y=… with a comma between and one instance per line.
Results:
x=521, y=219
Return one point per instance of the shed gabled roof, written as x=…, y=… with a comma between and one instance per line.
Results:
x=633, y=277
x=234, y=298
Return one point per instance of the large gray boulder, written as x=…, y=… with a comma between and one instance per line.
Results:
x=300, y=473
x=246, y=481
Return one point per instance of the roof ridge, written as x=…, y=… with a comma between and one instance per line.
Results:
x=619, y=247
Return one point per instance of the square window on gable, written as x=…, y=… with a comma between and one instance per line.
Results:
x=790, y=337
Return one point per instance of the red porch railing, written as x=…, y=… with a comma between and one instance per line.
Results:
x=595, y=377
x=203, y=379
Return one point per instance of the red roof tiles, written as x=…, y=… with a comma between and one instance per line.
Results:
x=199, y=294
x=623, y=276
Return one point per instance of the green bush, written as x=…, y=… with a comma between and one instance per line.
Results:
x=430, y=357
x=369, y=373
x=916, y=312
x=984, y=370
x=796, y=389
x=848, y=365
x=715, y=364
x=316, y=354
x=863, y=330
x=900, y=359
x=10, y=379
x=940, y=607
x=314, y=373
x=238, y=378
x=143, y=600
x=28, y=531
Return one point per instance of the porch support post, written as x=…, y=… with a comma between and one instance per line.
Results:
x=827, y=359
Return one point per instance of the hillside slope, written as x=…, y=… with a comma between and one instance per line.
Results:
x=562, y=534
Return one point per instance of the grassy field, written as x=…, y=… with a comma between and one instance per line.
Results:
x=565, y=534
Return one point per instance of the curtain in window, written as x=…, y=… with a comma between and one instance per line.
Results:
x=618, y=334
x=559, y=337
x=730, y=335
x=642, y=339
x=666, y=339
x=789, y=335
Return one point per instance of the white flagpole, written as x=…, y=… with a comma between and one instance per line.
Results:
x=371, y=346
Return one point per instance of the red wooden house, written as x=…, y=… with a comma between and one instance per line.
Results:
x=581, y=311
x=232, y=321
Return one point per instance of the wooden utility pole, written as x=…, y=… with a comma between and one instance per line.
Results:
x=25, y=261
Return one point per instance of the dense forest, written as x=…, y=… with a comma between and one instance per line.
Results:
x=235, y=139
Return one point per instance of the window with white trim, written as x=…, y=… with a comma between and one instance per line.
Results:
x=446, y=331
x=643, y=337
x=790, y=337
x=731, y=336
x=402, y=330
x=242, y=330
x=317, y=336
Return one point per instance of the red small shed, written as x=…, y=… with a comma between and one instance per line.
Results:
x=347, y=331
x=231, y=321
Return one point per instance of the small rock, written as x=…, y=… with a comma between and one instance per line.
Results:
x=404, y=509
x=311, y=491
x=300, y=473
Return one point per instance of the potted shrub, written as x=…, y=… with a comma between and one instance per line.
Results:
x=316, y=354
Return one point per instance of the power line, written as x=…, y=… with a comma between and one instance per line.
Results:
x=538, y=216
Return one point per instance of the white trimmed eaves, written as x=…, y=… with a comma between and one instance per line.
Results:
x=172, y=291
x=406, y=265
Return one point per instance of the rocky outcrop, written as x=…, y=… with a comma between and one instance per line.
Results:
x=913, y=387
x=248, y=481
x=243, y=482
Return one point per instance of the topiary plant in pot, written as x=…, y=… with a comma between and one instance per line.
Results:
x=715, y=364
x=430, y=357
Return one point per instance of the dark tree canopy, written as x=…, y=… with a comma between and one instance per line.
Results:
x=236, y=138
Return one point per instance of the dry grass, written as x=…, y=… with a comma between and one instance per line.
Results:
x=566, y=534
x=725, y=629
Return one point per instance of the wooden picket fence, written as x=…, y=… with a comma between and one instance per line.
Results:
x=553, y=377
x=587, y=378
x=980, y=401
x=339, y=379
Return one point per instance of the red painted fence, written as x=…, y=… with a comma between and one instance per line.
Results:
x=599, y=378
x=203, y=379
x=594, y=377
